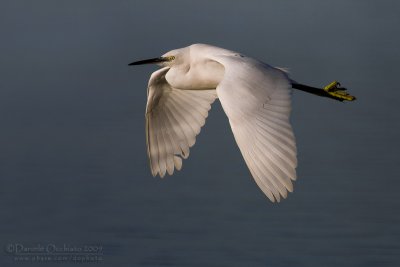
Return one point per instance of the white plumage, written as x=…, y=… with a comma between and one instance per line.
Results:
x=255, y=96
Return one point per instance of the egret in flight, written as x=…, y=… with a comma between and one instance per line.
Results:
x=255, y=97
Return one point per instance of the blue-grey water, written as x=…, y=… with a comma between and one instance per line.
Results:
x=73, y=166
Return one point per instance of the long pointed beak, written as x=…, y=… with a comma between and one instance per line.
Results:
x=149, y=61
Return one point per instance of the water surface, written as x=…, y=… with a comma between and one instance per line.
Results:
x=73, y=167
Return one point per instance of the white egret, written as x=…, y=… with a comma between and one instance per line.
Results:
x=255, y=96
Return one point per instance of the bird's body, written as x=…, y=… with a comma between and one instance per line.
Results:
x=255, y=97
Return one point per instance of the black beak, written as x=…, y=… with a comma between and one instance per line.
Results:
x=149, y=61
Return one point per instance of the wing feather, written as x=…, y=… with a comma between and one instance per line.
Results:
x=192, y=114
x=174, y=118
x=160, y=146
x=180, y=136
x=256, y=99
x=152, y=149
x=169, y=145
x=184, y=121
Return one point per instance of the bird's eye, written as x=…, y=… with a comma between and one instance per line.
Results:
x=170, y=58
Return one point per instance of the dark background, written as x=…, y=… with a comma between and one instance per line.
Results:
x=73, y=165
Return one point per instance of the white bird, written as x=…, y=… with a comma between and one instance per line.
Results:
x=255, y=96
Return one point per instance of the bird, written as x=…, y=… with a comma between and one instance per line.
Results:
x=255, y=96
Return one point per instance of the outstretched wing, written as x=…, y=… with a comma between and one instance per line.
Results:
x=174, y=118
x=256, y=98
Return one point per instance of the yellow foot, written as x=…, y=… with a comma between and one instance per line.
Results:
x=338, y=92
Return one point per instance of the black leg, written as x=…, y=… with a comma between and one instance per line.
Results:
x=331, y=91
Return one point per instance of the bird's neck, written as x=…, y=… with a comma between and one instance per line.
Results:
x=206, y=74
